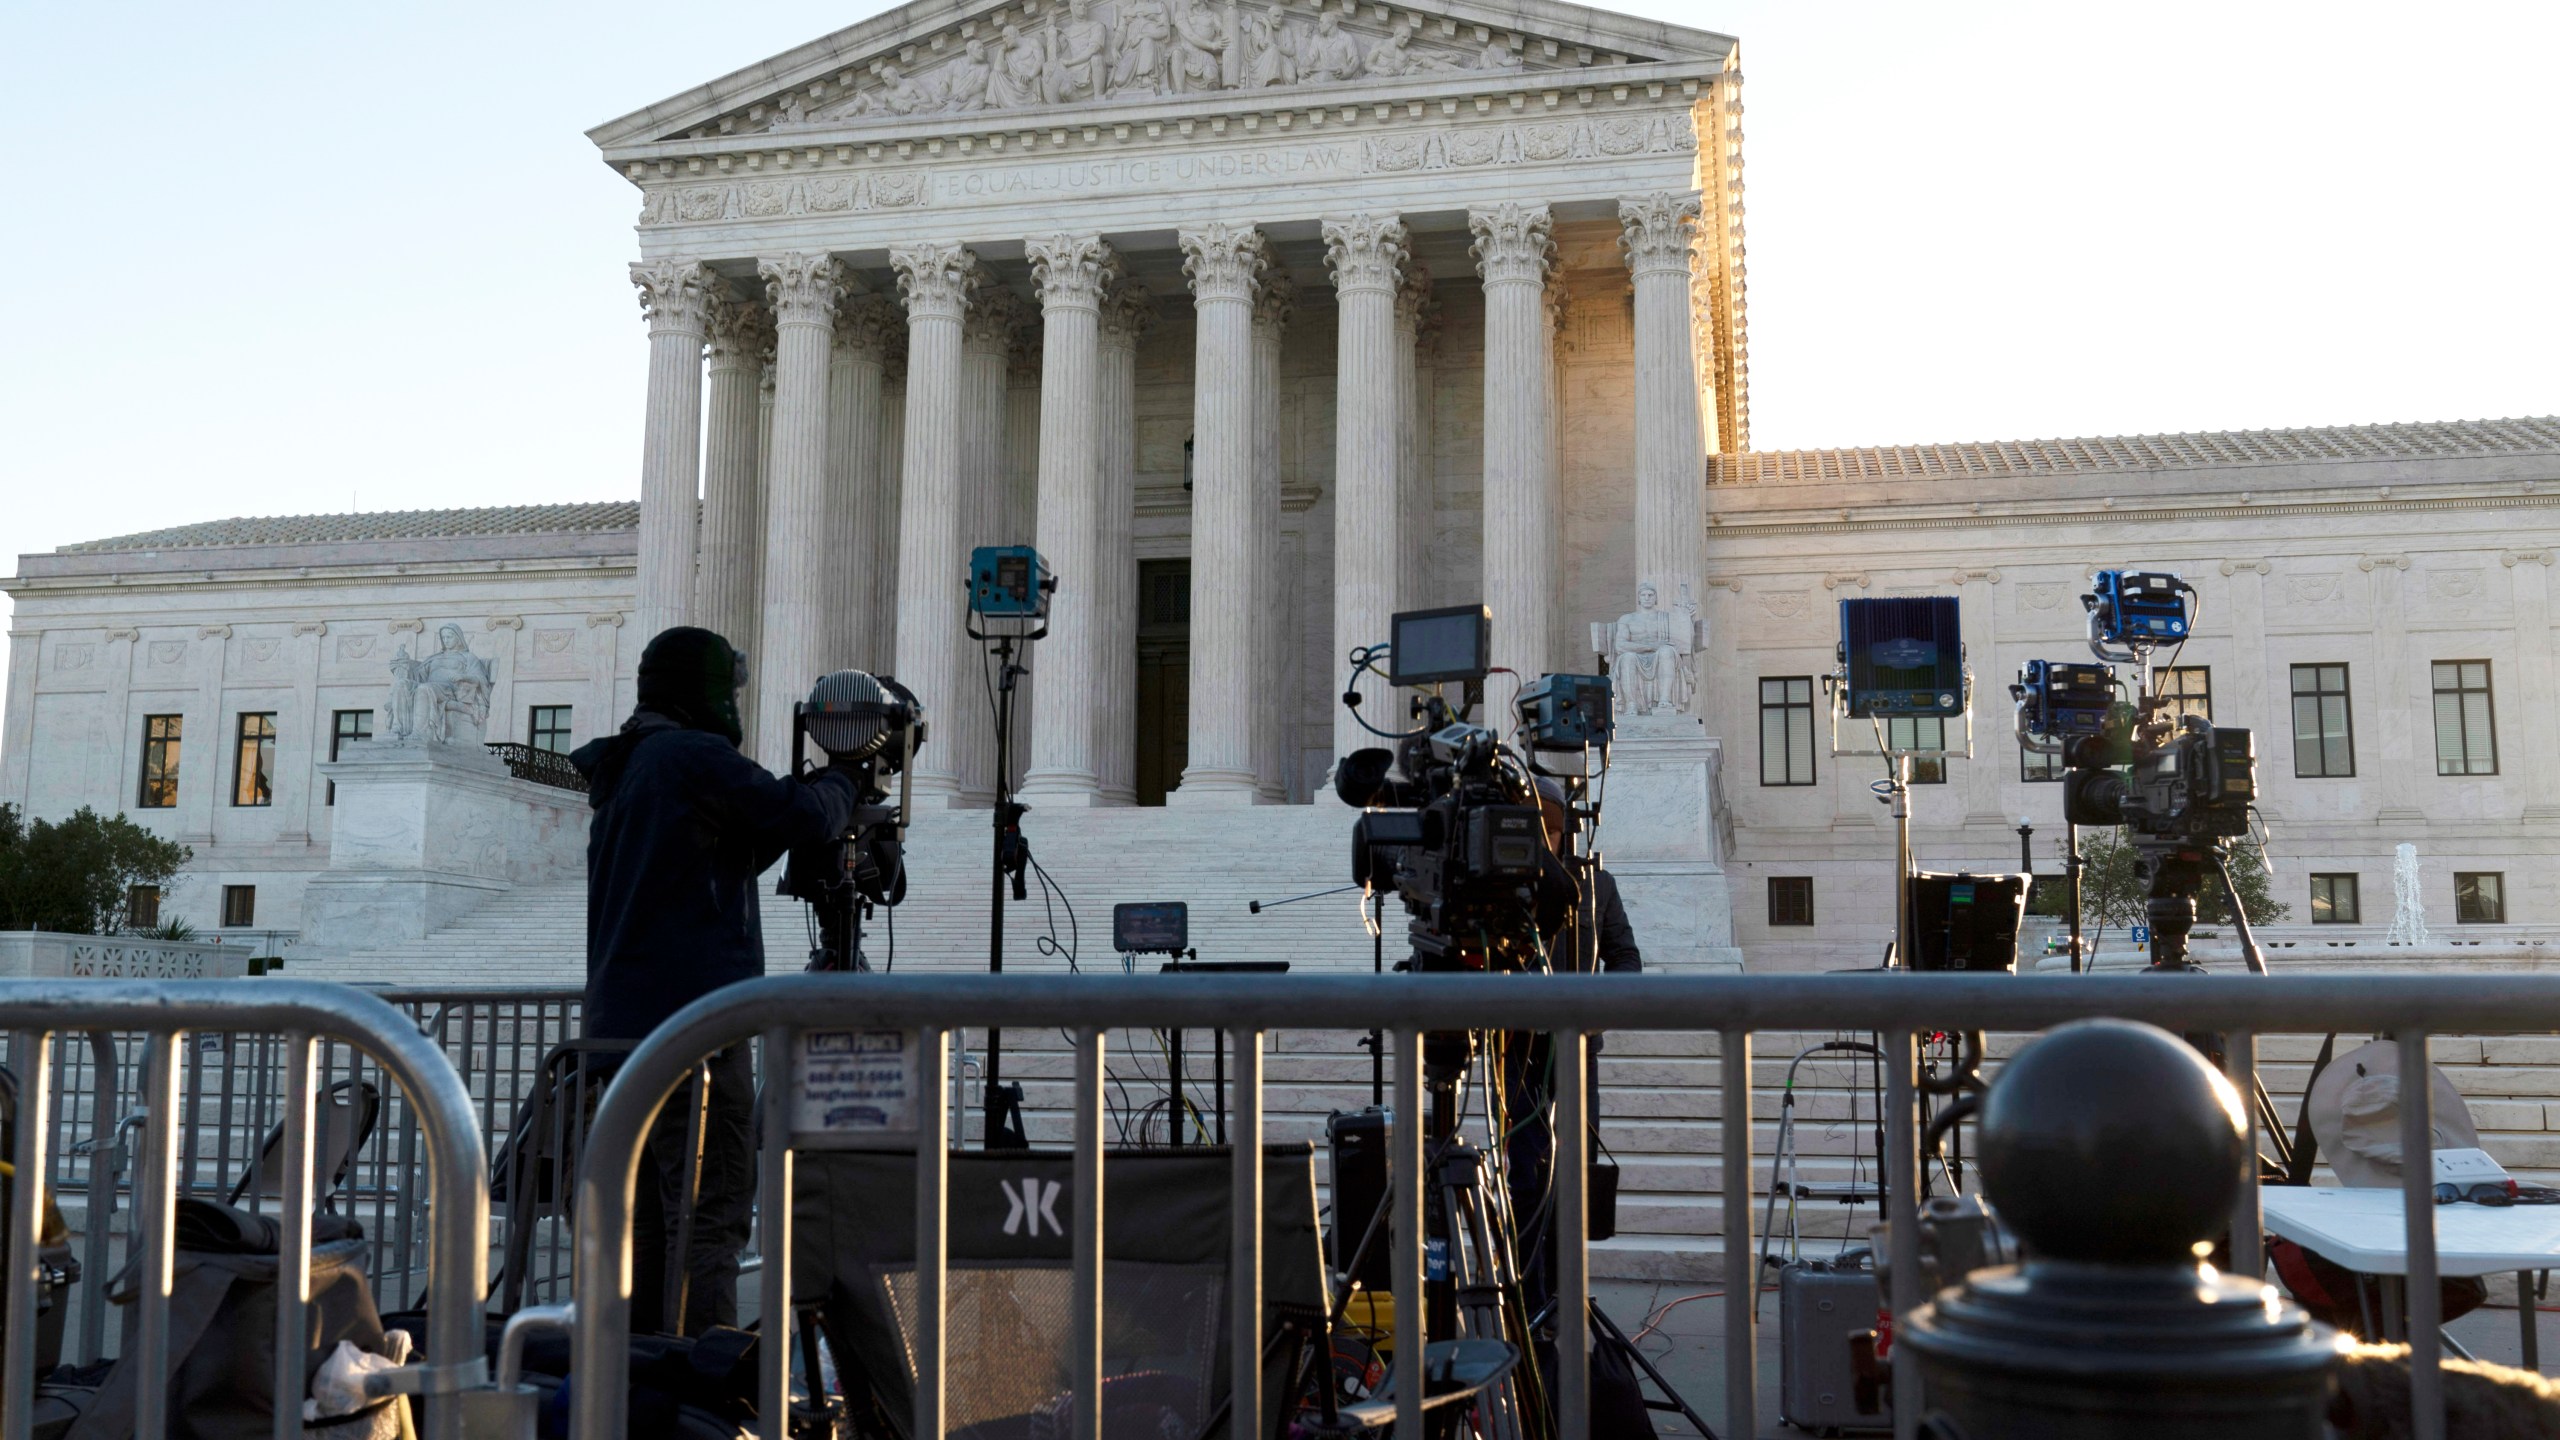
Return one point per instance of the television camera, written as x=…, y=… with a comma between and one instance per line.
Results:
x=2181, y=786
x=1450, y=818
x=869, y=729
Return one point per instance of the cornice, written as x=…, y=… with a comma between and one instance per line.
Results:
x=1856, y=519
x=1222, y=113
x=50, y=587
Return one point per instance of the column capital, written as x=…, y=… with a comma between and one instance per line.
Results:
x=867, y=323
x=1128, y=312
x=996, y=315
x=1513, y=242
x=1365, y=252
x=1224, y=262
x=1277, y=302
x=935, y=279
x=1656, y=232
x=676, y=296
x=1071, y=272
x=804, y=286
x=741, y=332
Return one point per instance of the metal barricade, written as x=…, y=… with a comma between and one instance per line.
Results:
x=231, y=1099
x=1901, y=1008
x=299, y=1021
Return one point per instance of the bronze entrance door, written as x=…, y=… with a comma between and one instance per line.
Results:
x=1164, y=677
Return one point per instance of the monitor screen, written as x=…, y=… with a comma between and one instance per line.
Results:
x=1159, y=927
x=1432, y=646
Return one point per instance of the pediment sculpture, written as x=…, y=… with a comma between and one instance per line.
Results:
x=1653, y=653
x=440, y=700
x=1094, y=50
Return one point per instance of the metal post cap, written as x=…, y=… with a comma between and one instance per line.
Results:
x=2112, y=1142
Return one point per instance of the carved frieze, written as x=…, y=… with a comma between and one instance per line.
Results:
x=1034, y=57
x=900, y=182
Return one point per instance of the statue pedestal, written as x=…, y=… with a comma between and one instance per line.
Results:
x=423, y=834
x=1664, y=833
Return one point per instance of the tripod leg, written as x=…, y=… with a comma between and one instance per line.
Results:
x=1610, y=1335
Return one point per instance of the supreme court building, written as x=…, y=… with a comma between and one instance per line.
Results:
x=1263, y=321
x=1343, y=309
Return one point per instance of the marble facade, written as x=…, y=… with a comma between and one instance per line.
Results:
x=1272, y=184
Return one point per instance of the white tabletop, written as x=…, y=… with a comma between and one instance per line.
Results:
x=2363, y=1230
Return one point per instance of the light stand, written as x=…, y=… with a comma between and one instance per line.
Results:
x=1006, y=583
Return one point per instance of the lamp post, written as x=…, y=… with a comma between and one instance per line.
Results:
x=2026, y=845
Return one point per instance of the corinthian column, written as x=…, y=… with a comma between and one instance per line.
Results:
x=862, y=512
x=1670, y=458
x=1225, y=263
x=724, y=597
x=936, y=280
x=1270, y=621
x=803, y=290
x=1367, y=255
x=1512, y=246
x=676, y=298
x=1072, y=273
x=986, y=345
x=1126, y=316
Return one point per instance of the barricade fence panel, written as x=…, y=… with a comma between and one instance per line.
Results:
x=148, y=1091
x=232, y=1099
x=1061, y=1033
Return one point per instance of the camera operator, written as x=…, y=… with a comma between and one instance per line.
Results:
x=1586, y=933
x=683, y=826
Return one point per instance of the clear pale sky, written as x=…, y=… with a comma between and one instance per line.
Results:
x=299, y=257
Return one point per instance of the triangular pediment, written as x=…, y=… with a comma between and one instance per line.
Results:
x=1044, y=60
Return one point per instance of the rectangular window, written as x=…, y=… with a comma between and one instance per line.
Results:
x=254, y=780
x=2480, y=897
x=1790, y=899
x=345, y=728
x=1919, y=732
x=141, y=906
x=549, y=728
x=239, y=906
x=2333, y=900
x=2466, y=731
x=160, y=736
x=2324, y=739
x=2187, y=688
x=2037, y=766
x=1786, y=731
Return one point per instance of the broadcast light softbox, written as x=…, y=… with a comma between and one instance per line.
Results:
x=1164, y=1284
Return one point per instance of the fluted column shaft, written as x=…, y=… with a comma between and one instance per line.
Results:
x=1225, y=263
x=1670, y=429
x=803, y=290
x=725, y=587
x=935, y=280
x=1072, y=273
x=1367, y=255
x=1414, y=517
x=1512, y=246
x=1126, y=317
x=862, y=517
x=986, y=340
x=1271, y=666
x=676, y=298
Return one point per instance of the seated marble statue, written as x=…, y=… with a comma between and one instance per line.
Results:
x=443, y=699
x=1651, y=654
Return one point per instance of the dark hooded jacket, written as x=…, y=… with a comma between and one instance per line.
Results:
x=683, y=826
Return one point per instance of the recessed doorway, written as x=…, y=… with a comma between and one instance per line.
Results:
x=1164, y=677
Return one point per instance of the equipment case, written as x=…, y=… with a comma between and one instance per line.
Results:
x=1821, y=1303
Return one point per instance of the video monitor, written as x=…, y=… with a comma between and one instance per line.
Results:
x=1155, y=927
x=1432, y=647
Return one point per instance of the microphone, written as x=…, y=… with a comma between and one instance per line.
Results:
x=1256, y=907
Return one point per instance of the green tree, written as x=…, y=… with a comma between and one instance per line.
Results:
x=72, y=876
x=2112, y=894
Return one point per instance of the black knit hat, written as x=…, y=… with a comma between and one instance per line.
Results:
x=692, y=676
